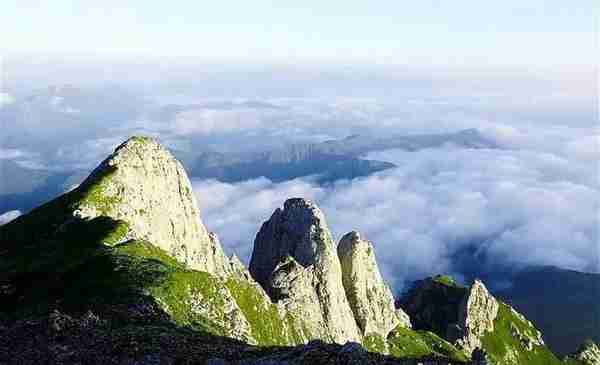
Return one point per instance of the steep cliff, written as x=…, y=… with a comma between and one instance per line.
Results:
x=369, y=296
x=143, y=185
x=294, y=259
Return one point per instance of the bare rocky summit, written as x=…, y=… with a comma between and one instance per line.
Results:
x=142, y=184
x=369, y=296
x=294, y=259
x=477, y=313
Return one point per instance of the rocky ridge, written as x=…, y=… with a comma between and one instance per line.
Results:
x=473, y=320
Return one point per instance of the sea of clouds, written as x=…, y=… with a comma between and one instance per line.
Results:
x=443, y=210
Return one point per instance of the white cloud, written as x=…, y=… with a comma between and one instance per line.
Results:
x=6, y=99
x=9, y=216
x=209, y=121
x=11, y=153
x=534, y=204
x=236, y=211
x=585, y=148
x=516, y=208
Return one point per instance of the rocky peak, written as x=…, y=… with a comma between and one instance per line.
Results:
x=588, y=354
x=459, y=314
x=294, y=260
x=143, y=185
x=476, y=316
x=433, y=303
x=370, y=298
x=298, y=230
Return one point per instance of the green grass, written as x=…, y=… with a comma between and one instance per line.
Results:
x=268, y=328
x=375, y=343
x=95, y=192
x=407, y=343
x=504, y=348
x=446, y=280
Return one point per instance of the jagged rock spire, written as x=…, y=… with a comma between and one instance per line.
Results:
x=476, y=316
x=369, y=296
x=142, y=184
x=294, y=259
x=299, y=231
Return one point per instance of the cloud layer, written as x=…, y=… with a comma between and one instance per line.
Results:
x=441, y=210
x=505, y=208
x=9, y=216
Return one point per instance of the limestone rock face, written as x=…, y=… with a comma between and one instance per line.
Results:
x=370, y=298
x=142, y=184
x=476, y=316
x=294, y=260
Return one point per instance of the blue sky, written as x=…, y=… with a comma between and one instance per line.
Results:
x=482, y=34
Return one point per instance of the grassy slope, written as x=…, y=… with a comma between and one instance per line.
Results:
x=53, y=260
x=405, y=342
x=504, y=348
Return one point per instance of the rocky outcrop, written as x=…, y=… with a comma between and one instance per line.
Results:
x=294, y=260
x=477, y=313
x=142, y=184
x=369, y=297
x=587, y=354
x=433, y=305
x=460, y=315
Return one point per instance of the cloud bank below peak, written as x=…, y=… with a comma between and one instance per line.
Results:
x=440, y=211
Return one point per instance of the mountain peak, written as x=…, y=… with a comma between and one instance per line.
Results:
x=298, y=230
x=370, y=298
x=477, y=313
x=143, y=185
x=294, y=259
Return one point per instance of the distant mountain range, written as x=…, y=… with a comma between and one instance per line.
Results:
x=330, y=160
x=327, y=161
x=23, y=188
x=563, y=304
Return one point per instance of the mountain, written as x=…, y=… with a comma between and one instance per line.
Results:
x=471, y=318
x=330, y=160
x=122, y=270
x=562, y=303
